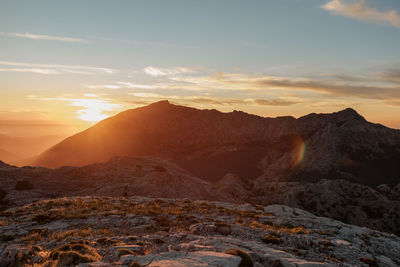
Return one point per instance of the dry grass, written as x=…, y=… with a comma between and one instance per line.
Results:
x=272, y=238
x=32, y=237
x=73, y=254
x=82, y=232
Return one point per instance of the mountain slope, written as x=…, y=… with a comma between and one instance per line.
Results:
x=211, y=144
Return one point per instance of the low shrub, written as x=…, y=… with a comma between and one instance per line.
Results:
x=246, y=260
x=159, y=241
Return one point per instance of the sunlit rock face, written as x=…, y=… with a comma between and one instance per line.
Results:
x=211, y=144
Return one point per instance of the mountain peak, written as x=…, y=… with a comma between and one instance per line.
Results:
x=160, y=103
x=349, y=114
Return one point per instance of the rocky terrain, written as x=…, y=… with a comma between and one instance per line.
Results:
x=118, y=177
x=210, y=144
x=139, y=231
x=151, y=187
x=349, y=202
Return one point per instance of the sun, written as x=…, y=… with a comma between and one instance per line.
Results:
x=93, y=109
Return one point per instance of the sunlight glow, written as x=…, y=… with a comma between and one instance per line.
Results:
x=93, y=109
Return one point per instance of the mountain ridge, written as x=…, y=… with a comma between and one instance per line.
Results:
x=211, y=144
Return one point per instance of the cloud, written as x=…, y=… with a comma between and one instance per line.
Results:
x=381, y=89
x=154, y=71
x=249, y=101
x=275, y=102
x=31, y=70
x=391, y=75
x=104, y=86
x=218, y=101
x=378, y=86
x=53, y=68
x=147, y=95
x=142, y=42
x=119, y=85
x=395, y=102
x=47, y=37
x=360, y=10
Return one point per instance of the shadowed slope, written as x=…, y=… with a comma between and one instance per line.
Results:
x=211, y=144
x=186, y=135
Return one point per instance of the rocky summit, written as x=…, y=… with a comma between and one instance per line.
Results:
x=139, y=231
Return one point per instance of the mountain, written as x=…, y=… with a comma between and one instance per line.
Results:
x=210, y=144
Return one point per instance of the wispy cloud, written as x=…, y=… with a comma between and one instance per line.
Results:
x=141, y=42
x=384, y=86
x=360, y=10
x=155, y=71
x=147, y=95
x=391, y=75
x=47, y=37
x=53, y=68
x=119, y=85
x=379, y=86
x=31, y=70
x=214, y=101
x=248, y=101
x=104, y=86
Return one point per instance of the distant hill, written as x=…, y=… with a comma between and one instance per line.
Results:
x=17, y=149
x=7, y=156
x=211, y=144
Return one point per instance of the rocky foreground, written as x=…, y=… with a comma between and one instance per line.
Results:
x=139, y=231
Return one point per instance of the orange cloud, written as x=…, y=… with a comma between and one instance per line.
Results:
x=360, y=10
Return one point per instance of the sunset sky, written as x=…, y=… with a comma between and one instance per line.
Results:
x=65, y=65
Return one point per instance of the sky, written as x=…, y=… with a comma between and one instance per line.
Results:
x=65, y=65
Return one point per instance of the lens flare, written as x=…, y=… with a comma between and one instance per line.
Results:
x=301, y=150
